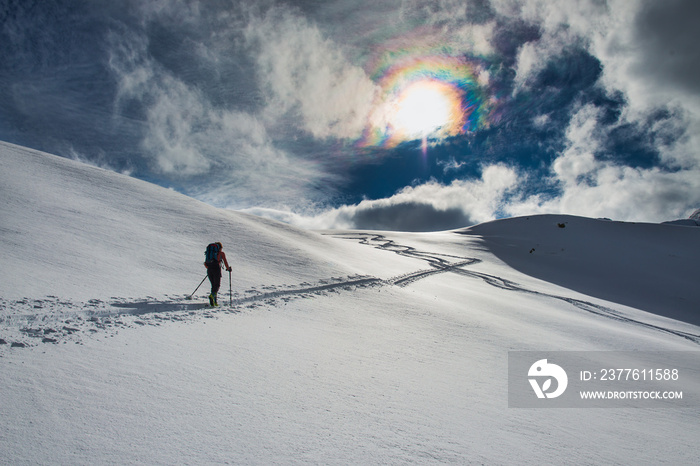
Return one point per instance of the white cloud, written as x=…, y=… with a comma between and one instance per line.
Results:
x=542, y=121
x=595, y=188
x=562, y=24
x=228, y=155
x=307, y=74
x=450, y=165
x=458, y=25
x=173, y=135
x=648, y=51
x=429, y=206
x=473, y=38
x=532, y=58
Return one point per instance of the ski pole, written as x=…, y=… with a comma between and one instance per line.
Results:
x=200, y=284
x=230, y=292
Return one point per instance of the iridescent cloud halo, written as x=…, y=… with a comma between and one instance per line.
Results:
x=426, y=97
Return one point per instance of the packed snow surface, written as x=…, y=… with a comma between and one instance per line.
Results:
x=334, y=347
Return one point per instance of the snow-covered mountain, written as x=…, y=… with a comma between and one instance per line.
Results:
x=333, y=347
x=647, y=266
x=692, y=221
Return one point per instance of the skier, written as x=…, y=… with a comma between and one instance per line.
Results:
x=214, y=255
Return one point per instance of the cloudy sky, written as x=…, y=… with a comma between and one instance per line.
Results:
x=388, y=114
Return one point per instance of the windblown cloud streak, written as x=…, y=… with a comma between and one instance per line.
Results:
x=189, y=137
x=307, y=74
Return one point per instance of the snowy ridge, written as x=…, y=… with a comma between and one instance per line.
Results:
x=117, y=236
x=692, y=221
x=652, y=267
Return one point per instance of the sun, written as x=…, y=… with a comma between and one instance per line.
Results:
x=426, y=98
x=424, y=108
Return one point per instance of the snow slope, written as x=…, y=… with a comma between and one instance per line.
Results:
x=647, y=266
x=87, y=233
x=339, y=347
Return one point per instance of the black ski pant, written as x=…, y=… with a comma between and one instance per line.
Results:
x=214, y=274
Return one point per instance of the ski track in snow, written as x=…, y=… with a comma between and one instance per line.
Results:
x=441, y=265
x=30, y=322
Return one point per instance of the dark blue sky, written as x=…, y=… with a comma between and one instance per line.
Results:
x=289, y=109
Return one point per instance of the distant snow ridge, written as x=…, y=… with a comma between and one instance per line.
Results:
x=692, y=221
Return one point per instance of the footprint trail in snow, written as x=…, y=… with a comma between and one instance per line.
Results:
x=26, y=322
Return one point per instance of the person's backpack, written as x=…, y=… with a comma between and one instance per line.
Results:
x=212, y=253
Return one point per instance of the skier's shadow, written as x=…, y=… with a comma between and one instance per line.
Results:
x=139, y=308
